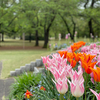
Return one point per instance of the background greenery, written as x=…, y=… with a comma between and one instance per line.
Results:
x=46, y=18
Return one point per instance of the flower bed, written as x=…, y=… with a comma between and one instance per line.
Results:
x=70, y=74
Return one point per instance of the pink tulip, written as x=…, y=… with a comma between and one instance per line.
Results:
x=61, y=85
x=98, y=57
x=92, y=45
x=61, y=72
x=58, y=73
x=77, y=86
x=85, y=49
x=58, y=67
x=98, y=63
x=92, y=77
x=96, y=94
x=57, y=61
x=45, y=60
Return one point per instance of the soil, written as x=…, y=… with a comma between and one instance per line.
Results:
x=21, y=48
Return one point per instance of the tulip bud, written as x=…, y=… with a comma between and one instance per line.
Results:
x=76, y=84
x=61, y=85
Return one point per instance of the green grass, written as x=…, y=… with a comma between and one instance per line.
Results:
x=14, y=59
x=15, y=42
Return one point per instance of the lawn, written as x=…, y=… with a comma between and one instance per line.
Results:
x=15, y=42
x=14, y=59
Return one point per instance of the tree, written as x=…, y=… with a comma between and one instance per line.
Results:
x=7, y=12
x=91, y=13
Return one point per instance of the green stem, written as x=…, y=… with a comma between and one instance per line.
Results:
x=94, y=90
x=86, y=77
x=76, y=98
x=61, y=97
x=82, y=97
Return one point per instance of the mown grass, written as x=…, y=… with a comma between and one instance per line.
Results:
x=14, y=59
x=15, y=42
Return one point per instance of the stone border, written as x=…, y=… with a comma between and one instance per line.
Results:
x=29, y=67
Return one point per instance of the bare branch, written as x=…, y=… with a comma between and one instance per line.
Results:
x=86, y=4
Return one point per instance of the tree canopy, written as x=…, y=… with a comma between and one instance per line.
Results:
x=49, y=18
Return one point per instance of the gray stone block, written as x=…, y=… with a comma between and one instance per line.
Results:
x=22, y=69
x=32, y=65
x=12, y=73
x=39, y=62
x=27, y=67
x=36, y=71
x=18, y=72
x=42, y=70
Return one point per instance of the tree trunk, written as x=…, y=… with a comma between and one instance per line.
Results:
x=90, y=21
x=30, y=37
x=90, y=28
x=36, y=34
x=2, y=37
x=72, y=37
x=74, y=27
x=46, y=36
x=68, y=29
x=36, y=38
x=46, y=33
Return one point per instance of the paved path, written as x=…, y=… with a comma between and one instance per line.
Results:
x=5, y=85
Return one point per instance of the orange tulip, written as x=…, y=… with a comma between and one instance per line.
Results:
x=69, y=56
x=87, y=63
x=28, y=94
x=96, y=73
x=77, y=56
x=88, y=66
x=88, y=58
x=77, y=45
x=42, y=88
x=73, y=63
x=63, y=53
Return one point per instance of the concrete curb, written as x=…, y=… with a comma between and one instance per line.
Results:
x=28, y=67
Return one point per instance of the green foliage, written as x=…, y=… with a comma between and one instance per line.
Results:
x=51, y=92
x=23, y=83
x=29, y=16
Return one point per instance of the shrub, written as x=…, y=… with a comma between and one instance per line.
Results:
x=23, y=83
